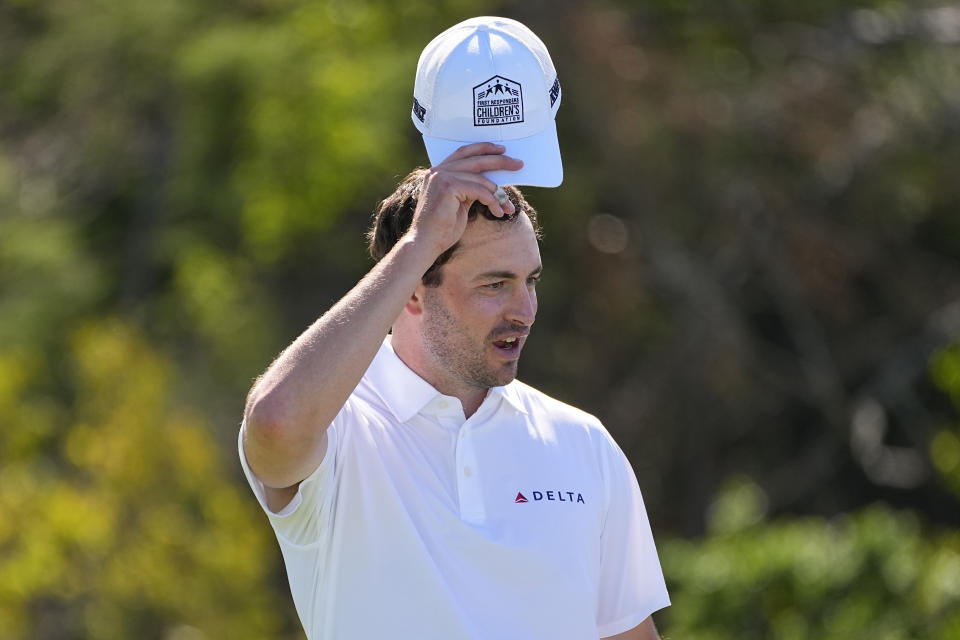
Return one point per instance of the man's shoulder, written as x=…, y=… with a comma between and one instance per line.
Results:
x=539, y=403
x=567, y=423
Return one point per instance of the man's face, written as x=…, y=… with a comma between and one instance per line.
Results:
x=476, y=322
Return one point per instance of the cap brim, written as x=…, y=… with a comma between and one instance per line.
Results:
x=540, y=154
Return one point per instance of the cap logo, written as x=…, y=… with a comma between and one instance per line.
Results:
x=554, y=91
x=418, y=110
x=497, y=101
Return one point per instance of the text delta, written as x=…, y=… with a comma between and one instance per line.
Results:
x=553, y=496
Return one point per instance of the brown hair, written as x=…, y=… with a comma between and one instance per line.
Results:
x=393, y=216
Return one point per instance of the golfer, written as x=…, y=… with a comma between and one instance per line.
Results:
x=416, y=488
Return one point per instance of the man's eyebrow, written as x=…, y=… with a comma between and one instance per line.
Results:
x=506, y=275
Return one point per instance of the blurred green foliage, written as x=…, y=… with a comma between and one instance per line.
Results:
x=752, y=276
x=119, y=518
x=945, y=444
x=873, y=574
x=876, y=574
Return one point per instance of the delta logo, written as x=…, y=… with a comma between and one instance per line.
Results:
x=551, y=496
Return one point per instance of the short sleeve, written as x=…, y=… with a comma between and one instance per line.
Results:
x=631, y=584
x=303, y=520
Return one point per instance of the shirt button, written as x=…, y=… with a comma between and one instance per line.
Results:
x=467, y=471
x=442, y=404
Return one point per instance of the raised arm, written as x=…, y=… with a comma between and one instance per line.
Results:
x=292, y=403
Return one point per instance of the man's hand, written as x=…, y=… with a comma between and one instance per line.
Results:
x=451, y=187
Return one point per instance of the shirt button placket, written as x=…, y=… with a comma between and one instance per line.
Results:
x=471, y=498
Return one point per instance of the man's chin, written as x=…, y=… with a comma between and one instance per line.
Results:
x=506, y=373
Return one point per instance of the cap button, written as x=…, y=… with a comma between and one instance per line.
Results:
x=483, y=27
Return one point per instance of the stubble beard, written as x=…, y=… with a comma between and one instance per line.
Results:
x=462, y=356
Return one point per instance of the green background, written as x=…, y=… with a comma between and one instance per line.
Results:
x=752, y=276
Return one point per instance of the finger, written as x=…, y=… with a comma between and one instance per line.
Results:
x=469, y=190
x=468, y=187
x=479, y=178
x=506, y=205
x=501, y=196
x=483, y=163
x=473, y=149
x=505, y=202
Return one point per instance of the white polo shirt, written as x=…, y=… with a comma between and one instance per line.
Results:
x=524, y=521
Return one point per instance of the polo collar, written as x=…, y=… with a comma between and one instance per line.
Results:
x=406, y=394
x=403, y=391
x=511, y=394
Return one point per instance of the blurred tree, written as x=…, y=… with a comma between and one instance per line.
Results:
x=119, y=519
x=873, y=575
x=945, y=445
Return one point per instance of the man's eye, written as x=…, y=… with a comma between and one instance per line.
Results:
x=533, y=281
x=494, y=285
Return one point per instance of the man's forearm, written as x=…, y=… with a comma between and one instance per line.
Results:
x=290, y=406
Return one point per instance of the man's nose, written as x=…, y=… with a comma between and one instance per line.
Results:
x=523, y=306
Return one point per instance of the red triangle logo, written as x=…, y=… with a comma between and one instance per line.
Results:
x=520, y=498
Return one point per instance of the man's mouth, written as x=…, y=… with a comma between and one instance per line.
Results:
x=509, y=345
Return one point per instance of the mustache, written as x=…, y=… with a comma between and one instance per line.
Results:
x=507, y=329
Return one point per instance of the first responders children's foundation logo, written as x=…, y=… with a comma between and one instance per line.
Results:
x=497, y=101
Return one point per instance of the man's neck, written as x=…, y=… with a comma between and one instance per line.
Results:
x=470, y=397
x=471, y=400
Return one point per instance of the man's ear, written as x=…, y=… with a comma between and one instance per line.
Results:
x=414, y=305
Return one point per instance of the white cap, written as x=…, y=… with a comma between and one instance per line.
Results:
x=491, y=79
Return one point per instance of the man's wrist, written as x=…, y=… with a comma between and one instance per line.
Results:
x=420, y=248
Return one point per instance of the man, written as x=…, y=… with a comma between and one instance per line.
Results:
x=418, y=490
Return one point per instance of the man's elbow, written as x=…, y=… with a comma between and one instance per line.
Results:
x=264, y=416
x=274, y=445
x=283, y=438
